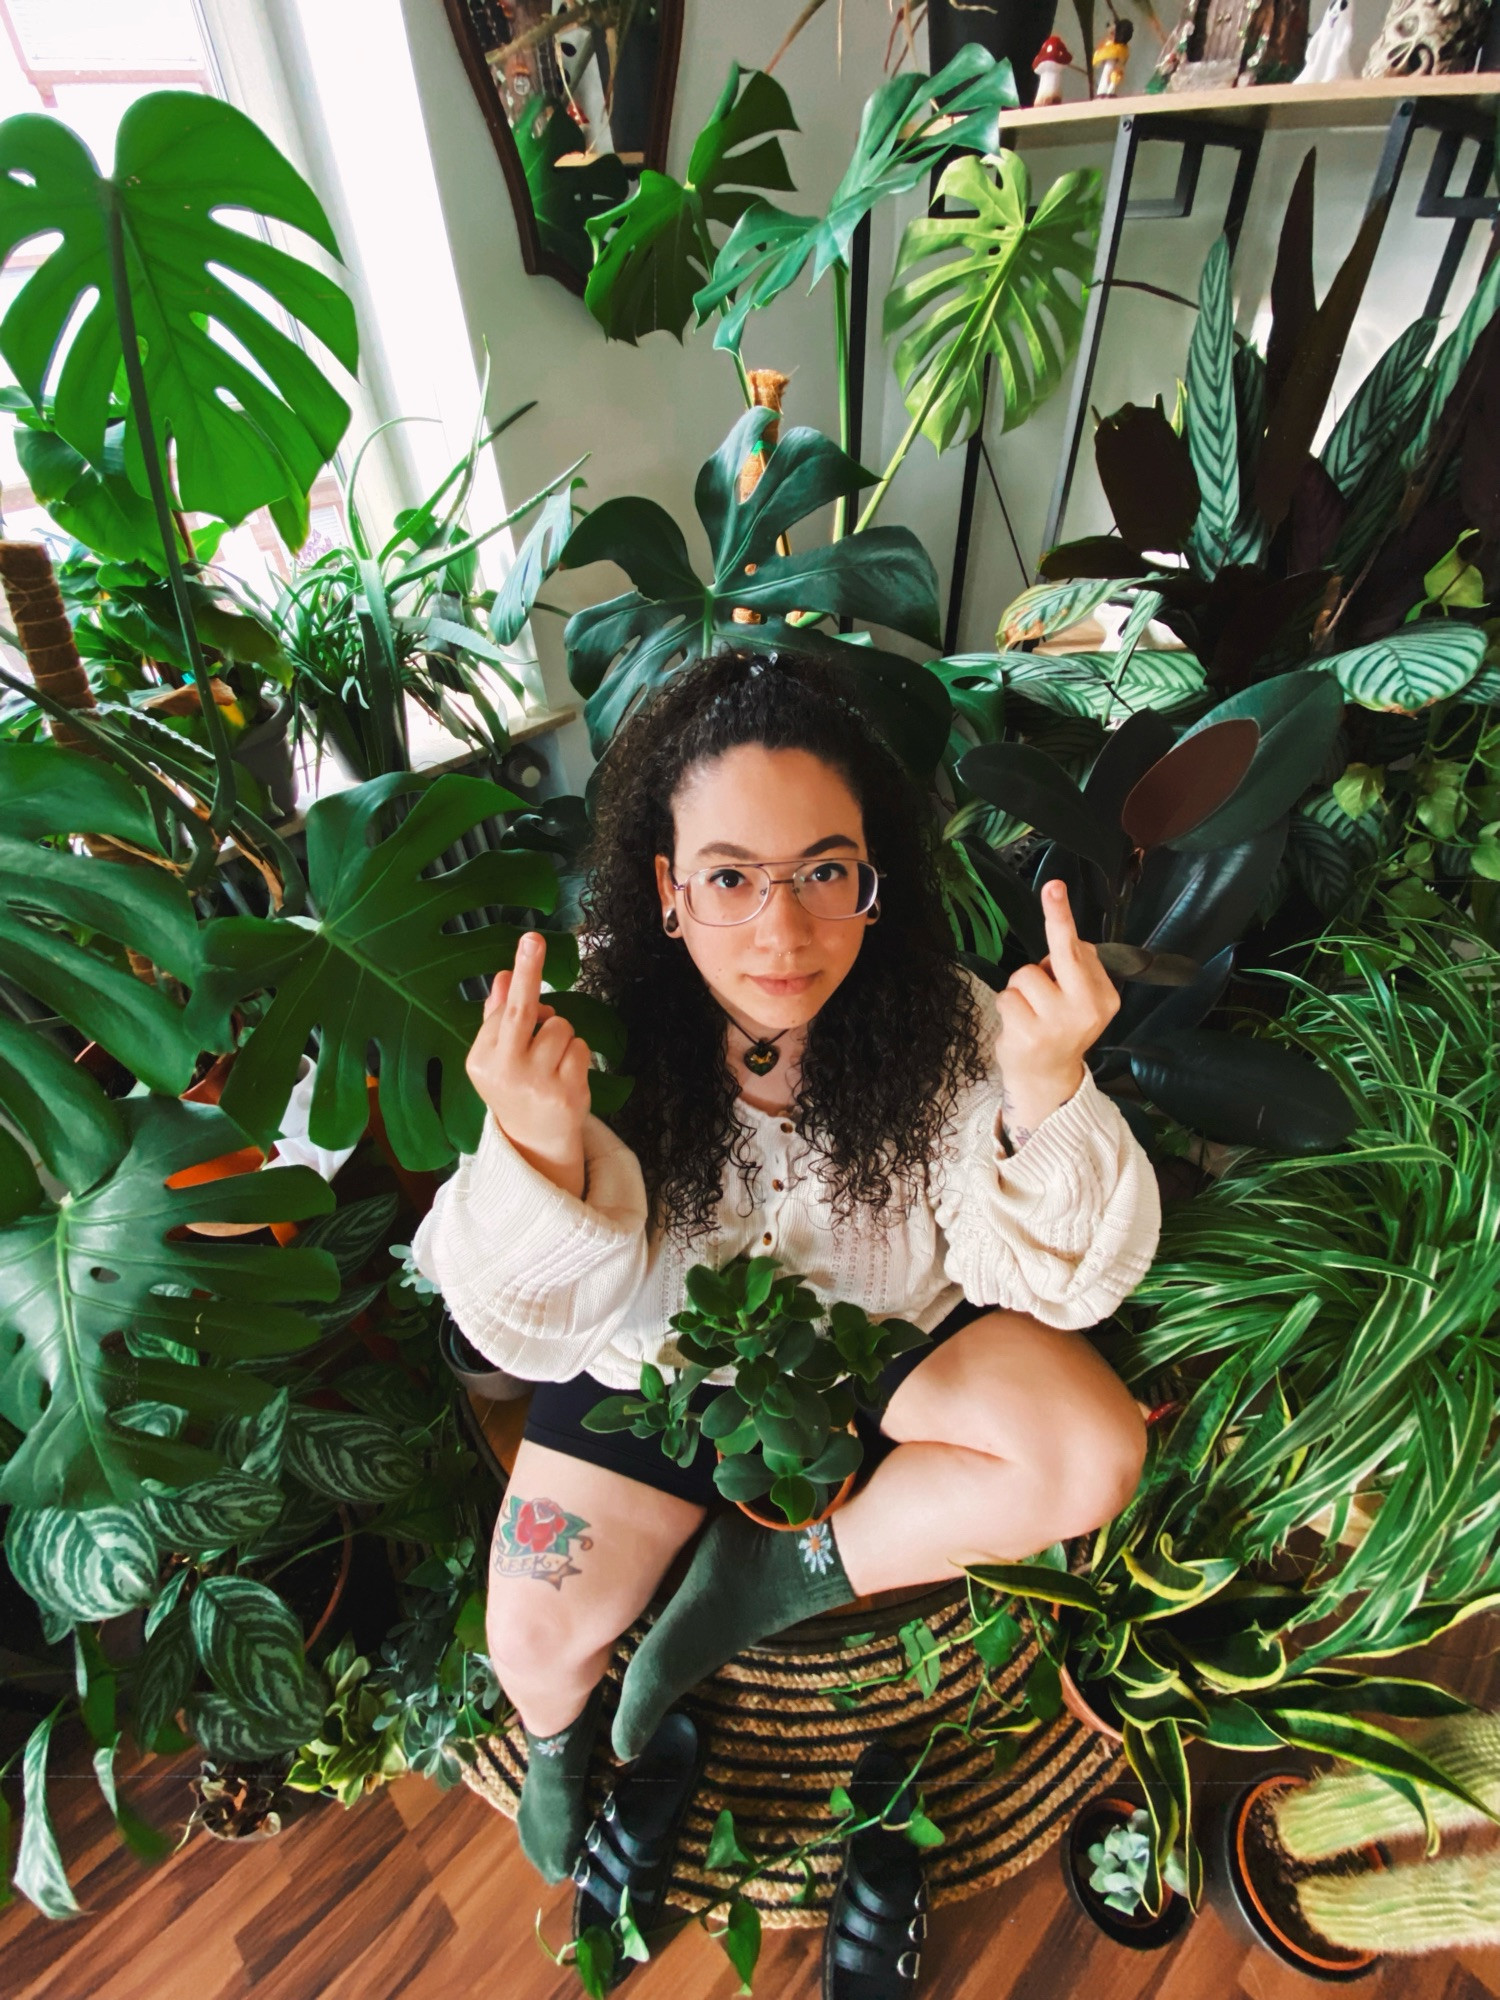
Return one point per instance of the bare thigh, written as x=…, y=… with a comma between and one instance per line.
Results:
x=576, y=1556
x=1014, y=1389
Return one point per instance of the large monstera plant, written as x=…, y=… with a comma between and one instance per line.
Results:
x=186, y=1400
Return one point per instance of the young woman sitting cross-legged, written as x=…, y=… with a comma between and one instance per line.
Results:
x=817, y=1078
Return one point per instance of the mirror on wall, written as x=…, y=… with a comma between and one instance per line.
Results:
x=578, y=98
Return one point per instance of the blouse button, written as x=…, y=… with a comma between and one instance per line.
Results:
x=777, y=1186
x=767, y=1237
x=786, y=1128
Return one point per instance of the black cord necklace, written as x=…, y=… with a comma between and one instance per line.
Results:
x=762, y=1056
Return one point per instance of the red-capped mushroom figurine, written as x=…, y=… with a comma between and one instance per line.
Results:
x=1049, y=62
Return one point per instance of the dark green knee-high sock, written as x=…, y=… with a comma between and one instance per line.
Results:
x=552, y=1820
x=743, y=1584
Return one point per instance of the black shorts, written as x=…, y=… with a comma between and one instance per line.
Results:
x=555, y=1419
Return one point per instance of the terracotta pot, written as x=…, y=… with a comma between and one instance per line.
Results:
x=1139, y=1933
x=1082, y=1709
x=1263, y=1893
x=778, y=1523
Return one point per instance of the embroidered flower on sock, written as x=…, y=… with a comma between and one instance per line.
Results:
x=815, y=1546
x=551, y=1746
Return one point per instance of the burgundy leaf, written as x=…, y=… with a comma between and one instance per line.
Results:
x=1147, y=475
x=1093, y=555
x=1310, y=376
x=1253, y=617
x=1394, y=582
x=1479, y=468
x=1294, y=302
x=1193, y=780
x=1318, y=511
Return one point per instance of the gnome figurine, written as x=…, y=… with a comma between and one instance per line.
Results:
x=1110, y=58
x=1049, y=62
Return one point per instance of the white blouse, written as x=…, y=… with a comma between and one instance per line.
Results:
x=548, y=1286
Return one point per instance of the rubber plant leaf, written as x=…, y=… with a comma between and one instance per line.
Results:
x=1244, y=1092
x=621, y=651
x=998, y=285
x=1298, y=716
x=909, y=126
x=653, y=252
x=243, y=432
x=375, y=965
x=1147, y=474
x=47, y=891
x=1190, y=782
x=75, y=1272
x=1027, y=783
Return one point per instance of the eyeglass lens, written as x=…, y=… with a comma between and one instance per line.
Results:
x=733, y=893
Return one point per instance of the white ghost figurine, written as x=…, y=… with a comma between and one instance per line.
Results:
x=1329, y=47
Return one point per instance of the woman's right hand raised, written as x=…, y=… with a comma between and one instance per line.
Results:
x=532, y=1070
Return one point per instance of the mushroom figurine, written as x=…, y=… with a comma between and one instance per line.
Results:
x=1110, y=58
x=1049, y=62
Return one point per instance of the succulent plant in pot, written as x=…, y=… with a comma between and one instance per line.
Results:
x=783, y=1425
x=1106, y=1857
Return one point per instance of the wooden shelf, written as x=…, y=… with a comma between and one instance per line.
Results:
x=1362, y=101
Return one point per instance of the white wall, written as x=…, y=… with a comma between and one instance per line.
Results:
x=649, y=415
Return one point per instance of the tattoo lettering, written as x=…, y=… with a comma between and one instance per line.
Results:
x=1014, y=1136
x=537, y=1538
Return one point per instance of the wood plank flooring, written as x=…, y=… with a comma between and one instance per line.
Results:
x=421, y=1895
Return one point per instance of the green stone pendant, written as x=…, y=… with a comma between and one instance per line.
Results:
x=760, y=1057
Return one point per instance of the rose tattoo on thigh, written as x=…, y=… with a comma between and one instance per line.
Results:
x=537, y=1538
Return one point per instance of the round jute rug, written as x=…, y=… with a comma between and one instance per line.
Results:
x=777, y=1743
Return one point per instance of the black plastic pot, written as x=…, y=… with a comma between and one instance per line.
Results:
x=479, y=1376
x=265, y=751
x=1258, y=1884
x=1011, y=28
x=1141, y=1933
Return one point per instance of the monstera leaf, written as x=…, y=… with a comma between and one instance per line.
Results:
x=1008, y=287
x=75, y=1272
x=245, y=431
x=565, y=199
x=47, y=892
x=97, y=506
x=654, y=251
x=375, y=965
x=623, y=649
x=910, y=124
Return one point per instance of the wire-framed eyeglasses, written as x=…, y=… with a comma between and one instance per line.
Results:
x=732, y=892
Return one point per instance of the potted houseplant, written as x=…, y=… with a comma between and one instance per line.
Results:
x=1106, y=1857
x=784, y=1425
x=1316, y=1866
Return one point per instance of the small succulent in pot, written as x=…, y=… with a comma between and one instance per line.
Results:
x=1120, y=1861
x=783, y=1427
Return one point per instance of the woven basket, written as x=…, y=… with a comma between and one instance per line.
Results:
x=777, y=1744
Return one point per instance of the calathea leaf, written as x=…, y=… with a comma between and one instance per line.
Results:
x=46, y=891
x=166, y=1673
x=620, y=651
x=1047, y=608
x=1379, y=411
x=213, y=1513
x=1412, y=668
x=251, y=1645
x=40, y=1875
x=1106, y=686
x=908, y=126
x=1212, y=429
x=243, y=435
x=1009, y=290
x=375, y=965
x=1244, y=1092
x=87, y=1563
x=77, y=1271
x=653, y=252
x=348, y=1457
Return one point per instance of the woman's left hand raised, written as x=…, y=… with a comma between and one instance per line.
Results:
x=1050, y=1014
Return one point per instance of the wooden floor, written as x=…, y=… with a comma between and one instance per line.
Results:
x=426, y=1896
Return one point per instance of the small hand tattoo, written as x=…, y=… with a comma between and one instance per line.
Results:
x=536, y=1538
x=1014, y=1136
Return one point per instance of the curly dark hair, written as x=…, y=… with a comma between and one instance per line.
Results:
x=886, y=1053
